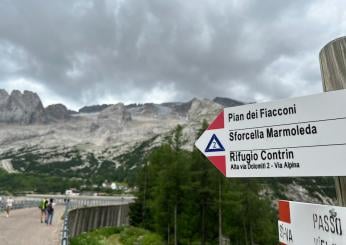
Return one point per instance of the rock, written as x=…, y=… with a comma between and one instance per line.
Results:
x=183, y=108
x=3, y=96
x=21, y=108
x=93, y=108
x=203, y=109
x=94, y=127
x=151, y=110
x=117, y=113
x=227, y=102
x=58, y=112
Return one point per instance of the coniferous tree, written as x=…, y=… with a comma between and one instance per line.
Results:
x=178, y=197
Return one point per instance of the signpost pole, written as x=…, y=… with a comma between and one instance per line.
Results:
x=333, y=69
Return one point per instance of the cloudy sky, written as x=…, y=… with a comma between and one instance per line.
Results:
x=90, y=52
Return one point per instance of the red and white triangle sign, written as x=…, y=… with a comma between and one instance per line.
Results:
x=213, y=143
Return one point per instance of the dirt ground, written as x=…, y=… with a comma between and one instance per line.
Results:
x=23, y=227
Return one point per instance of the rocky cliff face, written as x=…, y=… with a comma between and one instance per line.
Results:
x=113, y=140
x=21, y=108
x=203, y=109
x=93, y=108
x=116, y=113
x=58, y=112
x=114, y=126
x=227, y=102
x=26, y=108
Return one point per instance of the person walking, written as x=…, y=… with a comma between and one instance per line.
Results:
x=50, y=212
x=2, y=206
x=9, y=204
x=45, y=210
x=43, y=206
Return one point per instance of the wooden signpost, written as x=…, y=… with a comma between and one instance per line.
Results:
x=333, y=69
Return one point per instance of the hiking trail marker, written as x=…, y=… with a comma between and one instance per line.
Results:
x=305, y=223
x=303, y=136
x=214, y=145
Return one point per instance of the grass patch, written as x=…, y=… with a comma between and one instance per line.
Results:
x=118, y=236
x=96, y=237
x=133, y=235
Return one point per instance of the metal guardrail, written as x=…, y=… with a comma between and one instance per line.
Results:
x=19, y=204
x=65, y=235
x=80, y=203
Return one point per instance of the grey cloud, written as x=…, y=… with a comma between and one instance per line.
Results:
x=87, y=50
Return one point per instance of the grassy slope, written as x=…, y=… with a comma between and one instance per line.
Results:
x=57, y=176
x=118, y=236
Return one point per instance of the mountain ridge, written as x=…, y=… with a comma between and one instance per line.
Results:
x=111, y=144
x=26, y=108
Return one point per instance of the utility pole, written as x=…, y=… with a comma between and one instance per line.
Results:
x=333, y=69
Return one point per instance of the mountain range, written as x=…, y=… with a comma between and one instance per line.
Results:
x=104, y=142
x=66, y=142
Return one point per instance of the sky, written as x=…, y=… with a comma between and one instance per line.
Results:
x=135, y=51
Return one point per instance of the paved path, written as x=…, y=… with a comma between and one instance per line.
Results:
x=23, y=227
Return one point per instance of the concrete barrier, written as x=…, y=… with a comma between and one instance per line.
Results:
x=86, y=219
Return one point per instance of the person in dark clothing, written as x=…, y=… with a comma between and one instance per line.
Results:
x=50, y=212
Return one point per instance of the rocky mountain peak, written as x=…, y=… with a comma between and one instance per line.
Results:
x=3, y=93
x=57, y=111
x=3, y=96
x=93, y=108
x=117, y=112
x=22, y=108
x=203, y=109
x=227, y=102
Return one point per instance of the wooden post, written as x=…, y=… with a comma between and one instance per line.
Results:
x=175, y=225
x=220, y=213
x=333, y=69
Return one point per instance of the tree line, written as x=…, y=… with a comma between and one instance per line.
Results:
x=186, y=200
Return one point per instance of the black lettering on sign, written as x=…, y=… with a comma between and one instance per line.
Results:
x=293, y=131
x=285, y=233
x=277, y=155
x=327, y=223
x=253, y=135
x=233, y=117
x=238, y=156
x=264, y=112
x=320, y=241
x=252, y=115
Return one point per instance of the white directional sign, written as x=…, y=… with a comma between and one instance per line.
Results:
x=305, y=223
x=303, y=136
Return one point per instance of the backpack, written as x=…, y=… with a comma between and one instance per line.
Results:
x=42, y=205
x=50, y=208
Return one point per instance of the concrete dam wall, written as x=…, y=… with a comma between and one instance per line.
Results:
x=88, y=218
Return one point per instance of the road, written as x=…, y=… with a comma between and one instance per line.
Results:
x=23, y=227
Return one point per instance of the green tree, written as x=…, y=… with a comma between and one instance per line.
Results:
x=185, y=199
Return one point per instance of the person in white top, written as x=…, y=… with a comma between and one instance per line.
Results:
x=9, y=204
